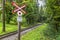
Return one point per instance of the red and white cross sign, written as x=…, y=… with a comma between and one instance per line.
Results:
x=18, y=8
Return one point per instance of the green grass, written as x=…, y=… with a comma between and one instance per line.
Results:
x=36, y=34
x=43, y=32
x=9, y=28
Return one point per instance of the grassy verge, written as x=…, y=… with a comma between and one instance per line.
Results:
x=9, y=28
x=36, y=34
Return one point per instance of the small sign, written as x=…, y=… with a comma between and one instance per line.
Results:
x=19, y=13
x=19, y=19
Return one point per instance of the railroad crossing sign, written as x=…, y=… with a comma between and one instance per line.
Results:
x=18, y=8
x=19, y=11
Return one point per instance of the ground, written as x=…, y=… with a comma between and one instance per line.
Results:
x=9, y=28
x=36, y=34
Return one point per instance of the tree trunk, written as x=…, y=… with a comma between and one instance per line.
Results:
x=56, y=26
x=3, y=15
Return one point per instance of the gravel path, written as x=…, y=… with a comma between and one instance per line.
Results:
x=14, y=37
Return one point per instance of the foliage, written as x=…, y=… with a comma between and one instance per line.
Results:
x=40, y=33
x=31, y=9
x=0, y=14
x=42, y=18
x=53, y=17
x=8, y=11
x=53, y=11
x=9, y=28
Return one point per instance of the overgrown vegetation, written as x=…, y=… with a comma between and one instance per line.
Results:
x=9, y=28
x=53, y=12
x=53, y=16
x=43, y=32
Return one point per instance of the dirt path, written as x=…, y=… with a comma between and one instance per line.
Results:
x=14, y=37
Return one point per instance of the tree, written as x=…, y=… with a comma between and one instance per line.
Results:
x=3, y=15
x=53, y=11
x=41, y=15
x=8, y=12
x=31, y=9
x=18, y=1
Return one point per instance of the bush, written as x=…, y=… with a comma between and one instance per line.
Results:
x=8, y=12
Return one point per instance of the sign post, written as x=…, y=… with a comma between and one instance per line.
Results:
x=19, y=20
x=19, y=11
x=19, y=30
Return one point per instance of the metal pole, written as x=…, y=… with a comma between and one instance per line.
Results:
x=19, y=30
x=19, y=20
x=19, y=25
